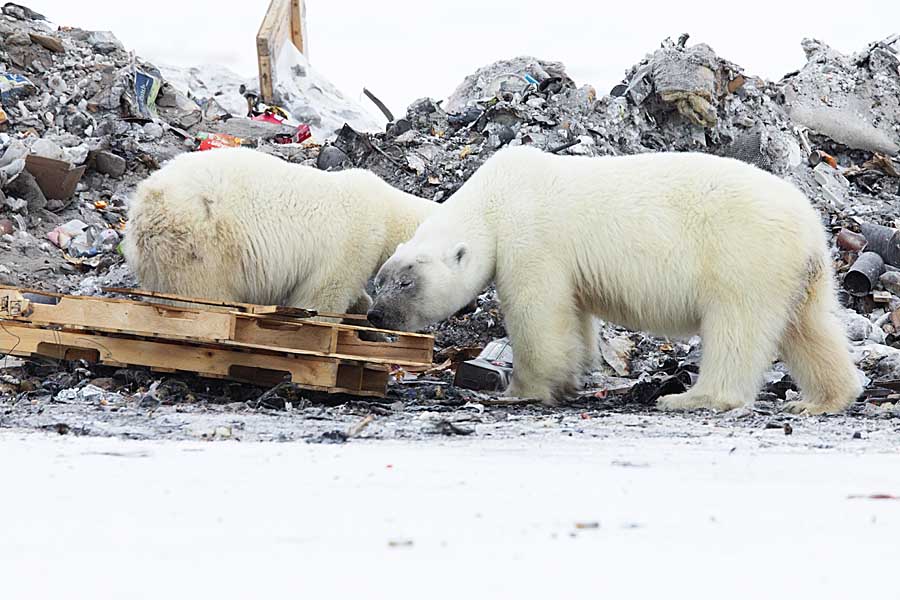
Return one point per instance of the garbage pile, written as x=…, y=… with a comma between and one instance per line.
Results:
x=83, y=121
x=832, y=128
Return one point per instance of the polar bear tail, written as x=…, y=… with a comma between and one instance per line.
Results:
x=815, y=347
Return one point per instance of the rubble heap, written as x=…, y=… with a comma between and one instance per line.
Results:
x=82, y=120
x=832, y=128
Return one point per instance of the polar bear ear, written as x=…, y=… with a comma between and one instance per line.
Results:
x=458, y=255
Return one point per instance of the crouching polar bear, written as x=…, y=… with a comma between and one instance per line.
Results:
x=238, y=225
x=669, y=243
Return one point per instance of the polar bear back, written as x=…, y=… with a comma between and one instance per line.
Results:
x=650, y=240
x=237, y=224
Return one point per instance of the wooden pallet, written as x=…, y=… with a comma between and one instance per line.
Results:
x=213, y=339
x=248, y=325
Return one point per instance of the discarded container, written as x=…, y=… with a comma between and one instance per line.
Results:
x=14, y=87
x=860, y=280
x=820, y=156
x=302, y=133
x=850, y=240
x=146, y=89
x=491, y=371
x=56, y=178
x=885, y=241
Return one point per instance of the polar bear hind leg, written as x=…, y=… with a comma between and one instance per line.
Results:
x=815, y=350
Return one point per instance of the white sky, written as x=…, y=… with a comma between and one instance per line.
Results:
x=405, y=49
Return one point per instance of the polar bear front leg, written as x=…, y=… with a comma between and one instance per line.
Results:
x=547, y=337
x=737, y=349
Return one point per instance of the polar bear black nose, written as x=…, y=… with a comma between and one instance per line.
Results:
x=375, y=317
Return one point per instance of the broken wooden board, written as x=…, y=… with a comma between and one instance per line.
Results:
x=284, y=21
x=316, y=373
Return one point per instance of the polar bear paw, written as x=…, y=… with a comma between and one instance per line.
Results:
x=805, y=407
x=695, y=401
x=518, y=390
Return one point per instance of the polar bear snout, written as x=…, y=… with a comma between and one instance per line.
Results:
x=376, y=317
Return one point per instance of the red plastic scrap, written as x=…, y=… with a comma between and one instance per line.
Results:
x=219, y=140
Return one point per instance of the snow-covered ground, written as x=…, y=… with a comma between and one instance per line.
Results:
x=711, y=517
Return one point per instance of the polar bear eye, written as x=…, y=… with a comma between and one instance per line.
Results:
x=404, y=284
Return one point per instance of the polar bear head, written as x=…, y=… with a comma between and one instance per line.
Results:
x=429, y=278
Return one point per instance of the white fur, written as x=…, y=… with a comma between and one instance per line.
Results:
x=668, y=243
x=240, y=225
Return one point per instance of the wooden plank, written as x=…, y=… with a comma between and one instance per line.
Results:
x=298, y=25
x=406, y=347
x=137, y=318
x=350, y=376
x=286, y=335
x=374, y=380
x=273, y=33
x=23, y=340
x=259, y=309
x=231, y=306
x=266, y=83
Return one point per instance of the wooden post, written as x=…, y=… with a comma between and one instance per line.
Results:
x=285, y=20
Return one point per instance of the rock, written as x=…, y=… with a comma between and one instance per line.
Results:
x=857, y=326
x=47, y=149
x=153, y=131
x=891, y=281
x=47, y=41
x=16, y=205
x=331, y=158
x=109, y=164
x=6, y=227
x=888, y=367
x=104, y=42
x=23, y=13
x=19, y=38
x=26, y=187
x=834, y=186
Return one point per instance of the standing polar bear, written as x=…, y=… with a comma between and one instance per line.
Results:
x=670, y=243
x=238, y=225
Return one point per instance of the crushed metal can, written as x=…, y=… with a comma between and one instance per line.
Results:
x=490, y=371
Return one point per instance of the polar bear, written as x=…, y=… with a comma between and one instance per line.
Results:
x=670, y=243
x=238, y=225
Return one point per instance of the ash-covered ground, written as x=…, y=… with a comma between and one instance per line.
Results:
x=832, y=128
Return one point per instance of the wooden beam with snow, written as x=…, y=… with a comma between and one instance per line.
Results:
x=284, y=21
